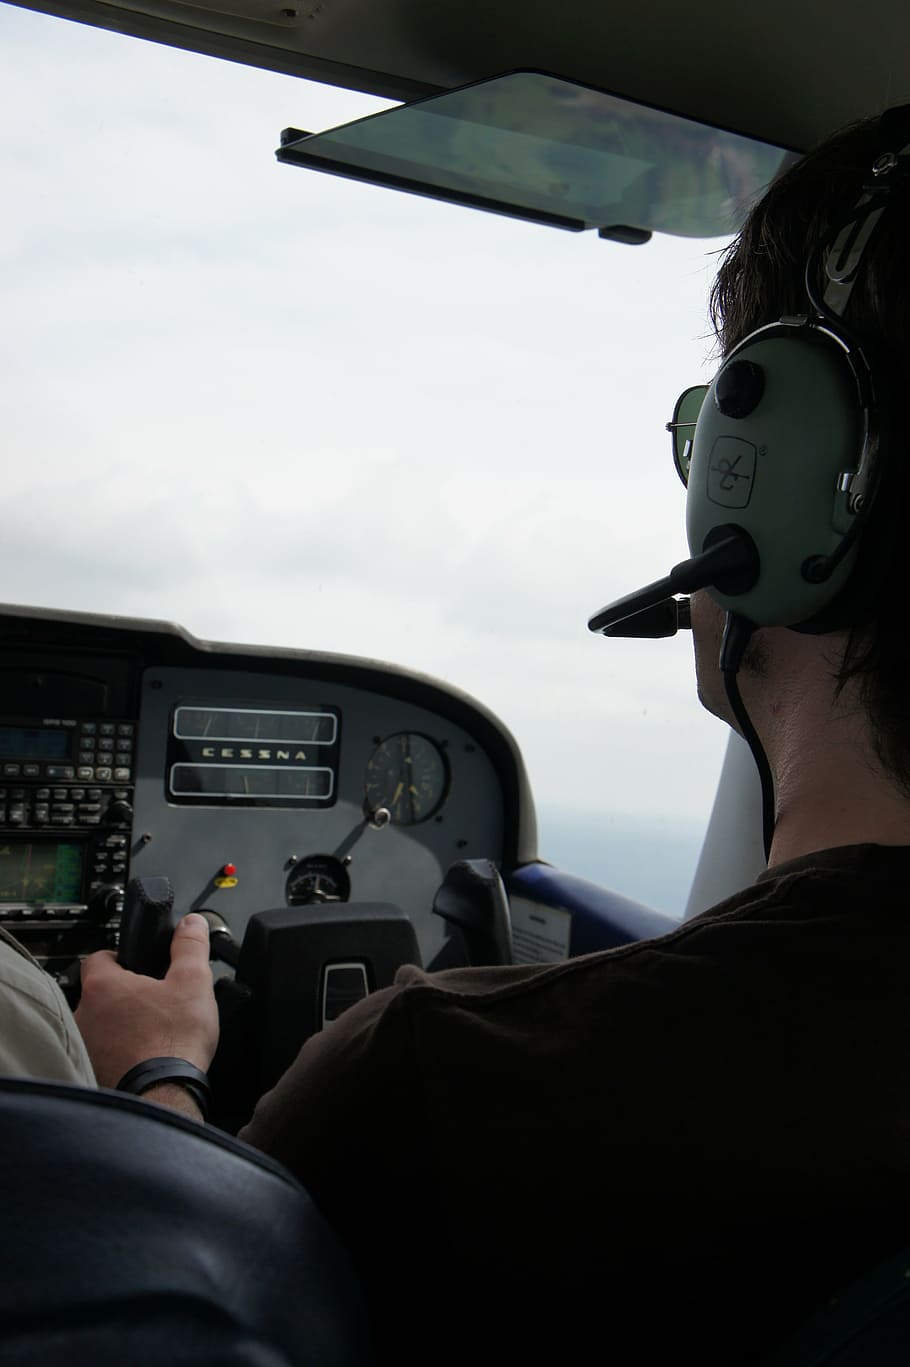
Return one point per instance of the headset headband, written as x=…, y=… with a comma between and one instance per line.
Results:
x=843, y=257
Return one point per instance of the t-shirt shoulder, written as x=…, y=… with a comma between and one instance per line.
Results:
x=823, y=885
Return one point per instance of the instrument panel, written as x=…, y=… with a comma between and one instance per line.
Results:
x=251, y=779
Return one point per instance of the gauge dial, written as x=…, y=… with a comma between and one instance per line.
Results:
x=408, y=775
x=318, y=878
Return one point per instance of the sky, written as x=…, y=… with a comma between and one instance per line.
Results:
x=279, y=407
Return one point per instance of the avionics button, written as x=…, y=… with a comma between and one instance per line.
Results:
x=60, y=794
x=41, y=816
x=120, y=775
x=41, y=794
x=12, y=770
x=107, y=728
x=93, y=794
x=124, y=759
x=125, y=728
x=86, y=757
x=90, y=726
x=104, y=757
x=2, y=815
x=104, y=775
x=62, y=820
x=16, y=816
x=30, y=771
x=85, y=771
x=17, y=794
x=60, y=771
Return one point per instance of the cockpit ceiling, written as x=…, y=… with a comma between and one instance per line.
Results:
x=786, y=71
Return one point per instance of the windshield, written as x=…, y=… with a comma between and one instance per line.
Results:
x=291, y=409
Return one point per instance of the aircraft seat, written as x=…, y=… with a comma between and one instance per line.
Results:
x=866, y=1324
x=133, y=1235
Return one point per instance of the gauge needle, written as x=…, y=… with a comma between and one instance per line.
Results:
x=397, y=794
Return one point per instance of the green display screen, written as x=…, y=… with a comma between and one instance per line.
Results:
x=41, y=871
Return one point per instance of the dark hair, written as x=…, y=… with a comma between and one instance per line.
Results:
x=761, y=279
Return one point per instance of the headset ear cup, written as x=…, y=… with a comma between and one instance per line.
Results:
x=874, y=569
x=784, y=421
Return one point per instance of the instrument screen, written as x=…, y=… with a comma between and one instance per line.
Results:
x=33, y=742
x=41, y=871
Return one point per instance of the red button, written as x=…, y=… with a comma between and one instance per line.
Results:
x=229, y=870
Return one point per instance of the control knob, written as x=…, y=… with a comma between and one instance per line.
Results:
x=119, y=813
x=105, y=903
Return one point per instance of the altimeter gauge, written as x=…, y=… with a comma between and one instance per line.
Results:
x=408, y=775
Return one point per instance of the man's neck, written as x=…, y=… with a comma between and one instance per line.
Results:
x=833, y=820
x=830, y=786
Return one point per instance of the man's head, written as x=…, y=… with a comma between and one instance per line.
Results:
x=761, y=279
x=762, y=273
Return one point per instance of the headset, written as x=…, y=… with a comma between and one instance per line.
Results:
x=784, y=463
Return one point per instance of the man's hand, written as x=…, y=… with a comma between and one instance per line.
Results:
x=126, y=1017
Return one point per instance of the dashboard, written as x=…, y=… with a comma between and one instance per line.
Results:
x=252, y=779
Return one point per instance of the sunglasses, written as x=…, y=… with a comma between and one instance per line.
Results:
x=682, y=427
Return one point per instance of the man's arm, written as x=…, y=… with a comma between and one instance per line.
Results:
x=126, y=1018
x=37, y=1035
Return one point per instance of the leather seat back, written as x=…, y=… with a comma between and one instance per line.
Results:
x=131, y=1234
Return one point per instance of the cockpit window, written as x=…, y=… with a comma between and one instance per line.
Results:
x=294, y=410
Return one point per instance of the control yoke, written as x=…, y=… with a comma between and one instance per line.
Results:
x=473, y=898
x=146, y=926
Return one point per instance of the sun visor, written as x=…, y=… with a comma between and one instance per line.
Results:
x=537, y=147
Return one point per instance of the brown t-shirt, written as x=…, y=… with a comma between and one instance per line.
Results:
x=665, y=1153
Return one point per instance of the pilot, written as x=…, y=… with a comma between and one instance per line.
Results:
x=666, y=1152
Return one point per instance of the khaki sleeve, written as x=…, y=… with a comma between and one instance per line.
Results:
x=38, y=1036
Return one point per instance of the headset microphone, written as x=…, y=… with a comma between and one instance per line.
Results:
x=664, y=619
x=729, y=560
